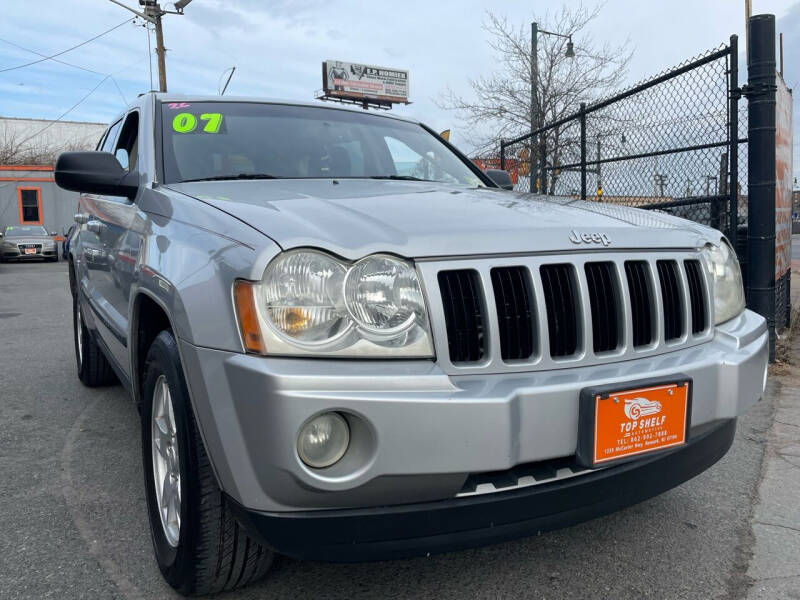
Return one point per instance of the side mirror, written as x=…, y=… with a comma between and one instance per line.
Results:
x=94, y=173
x=1, y=234
x=500, y=178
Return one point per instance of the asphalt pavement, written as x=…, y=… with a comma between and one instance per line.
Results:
x=73, y=521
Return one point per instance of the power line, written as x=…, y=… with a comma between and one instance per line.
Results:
x=52, y=56
x=63, y=62
x=79, y=102
x=66, y=112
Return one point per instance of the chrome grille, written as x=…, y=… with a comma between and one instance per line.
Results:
x=528, y=313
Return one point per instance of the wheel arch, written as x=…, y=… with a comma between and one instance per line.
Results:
x=149, y=317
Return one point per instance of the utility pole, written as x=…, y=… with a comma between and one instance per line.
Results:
x=160, y=50
x=748, y=9
x=152, y=14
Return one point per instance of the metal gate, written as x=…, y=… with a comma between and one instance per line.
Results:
x=672, y=143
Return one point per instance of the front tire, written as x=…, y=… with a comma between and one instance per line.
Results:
x=199, y=546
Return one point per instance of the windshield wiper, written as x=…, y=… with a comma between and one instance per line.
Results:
x=239, y=176
x=399, y=177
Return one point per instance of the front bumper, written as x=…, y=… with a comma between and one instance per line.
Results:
x=15, y=254
x=417, y=433
x=417, y=529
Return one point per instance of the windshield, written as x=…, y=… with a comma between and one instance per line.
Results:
x=25, y=230
x=238, y=140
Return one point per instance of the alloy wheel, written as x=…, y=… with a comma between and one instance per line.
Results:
x=166, y=462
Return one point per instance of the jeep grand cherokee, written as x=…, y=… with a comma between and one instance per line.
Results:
x=349, y=343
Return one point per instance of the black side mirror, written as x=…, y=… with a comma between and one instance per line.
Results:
x=94, y=173
x=500, y=178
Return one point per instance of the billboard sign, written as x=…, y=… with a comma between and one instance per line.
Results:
x=356, y=81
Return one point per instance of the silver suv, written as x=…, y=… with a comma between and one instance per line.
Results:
x=348, y=343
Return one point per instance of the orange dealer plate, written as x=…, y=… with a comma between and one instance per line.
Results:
x=623, y=423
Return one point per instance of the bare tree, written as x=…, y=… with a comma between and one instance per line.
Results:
x=500, y=104
x=17, y=149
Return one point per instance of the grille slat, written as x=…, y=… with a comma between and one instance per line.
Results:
x=604, y=304
x=463, y=315
x=671, y=296
x=696, y=296
x=562, y=310
x=514, y=312
x=641, y=302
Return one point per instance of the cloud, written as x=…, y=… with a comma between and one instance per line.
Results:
x=278, y=45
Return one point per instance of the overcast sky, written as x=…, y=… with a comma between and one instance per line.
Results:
x=277, y=47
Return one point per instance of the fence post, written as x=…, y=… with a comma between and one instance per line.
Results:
x=543, y=162
x=583, y=150
x=761, y=89
x=733, y=138
x=502, y=155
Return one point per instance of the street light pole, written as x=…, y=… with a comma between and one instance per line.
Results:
x=536, y=112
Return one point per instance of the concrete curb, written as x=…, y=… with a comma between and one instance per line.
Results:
x=774, y=568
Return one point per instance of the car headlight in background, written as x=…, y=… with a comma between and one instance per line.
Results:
x=724, y=268
x=311, y=303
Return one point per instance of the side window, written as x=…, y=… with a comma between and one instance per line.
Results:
x=30, y=206
x=127, y=146
x=111, y=137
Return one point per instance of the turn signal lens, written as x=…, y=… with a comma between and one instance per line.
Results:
x=248, y=317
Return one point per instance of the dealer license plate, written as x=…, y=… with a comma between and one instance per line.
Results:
x=30, y=250
x=619, y=423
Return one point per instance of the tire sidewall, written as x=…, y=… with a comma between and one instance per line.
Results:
x=176, y=564
x=79, y=329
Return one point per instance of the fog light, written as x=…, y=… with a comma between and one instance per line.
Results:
x=323, y=440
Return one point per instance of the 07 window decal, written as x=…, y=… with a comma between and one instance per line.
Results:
x=187, y=122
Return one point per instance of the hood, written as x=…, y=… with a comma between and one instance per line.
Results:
x=356, y=217
x=28, y=239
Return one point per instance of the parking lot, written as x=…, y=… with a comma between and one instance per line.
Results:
x=74, y=523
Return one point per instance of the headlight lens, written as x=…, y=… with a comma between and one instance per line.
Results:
x=311, y=303
x=302, y=295
x=724, y=268
x=383, y=297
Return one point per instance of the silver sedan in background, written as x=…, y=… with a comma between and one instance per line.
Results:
x=22, y=242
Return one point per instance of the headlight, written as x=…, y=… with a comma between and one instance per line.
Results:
x=311, y=303
x=723, y=265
